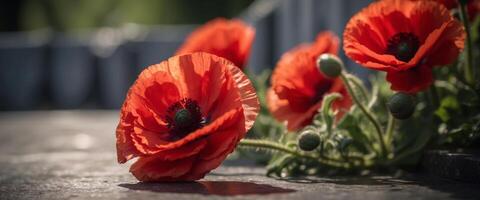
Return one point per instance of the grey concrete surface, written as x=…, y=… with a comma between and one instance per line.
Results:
x=71, y=155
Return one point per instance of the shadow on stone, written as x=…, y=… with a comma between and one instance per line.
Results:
x=222, y=188
x=233, y=175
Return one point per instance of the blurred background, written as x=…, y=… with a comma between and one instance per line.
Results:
x=84, y=54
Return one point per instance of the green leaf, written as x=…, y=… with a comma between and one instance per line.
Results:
x=464, y=136
x=351, y=125
x=447, y=106
x=409, y=155
x=326, y=109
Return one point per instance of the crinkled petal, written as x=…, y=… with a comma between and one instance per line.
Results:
x=412, y=80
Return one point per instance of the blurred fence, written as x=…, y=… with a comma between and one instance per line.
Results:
x=94, y=69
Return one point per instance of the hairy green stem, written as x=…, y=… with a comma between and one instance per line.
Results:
x=358, y=83
x=469, y=71
x=373, y=97
x=279, y=147
x=367, y=113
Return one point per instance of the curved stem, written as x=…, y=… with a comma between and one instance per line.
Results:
x=279, y=147
x=469, y=73
x=374, y=96
x=358, y=83
x=367, y=112
x=390, y=127
x=389, y=132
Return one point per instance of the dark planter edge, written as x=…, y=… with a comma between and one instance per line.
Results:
x=459, y=165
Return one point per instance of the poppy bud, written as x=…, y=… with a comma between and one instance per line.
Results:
x=401, y=105
x=308, y=140
x=330, y=65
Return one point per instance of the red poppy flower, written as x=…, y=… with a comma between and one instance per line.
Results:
x=230, y=39
x=182, y=117
x=298, y=86
x=405, y=39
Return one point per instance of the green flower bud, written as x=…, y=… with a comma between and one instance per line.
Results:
x=330, y=65
x=308, y=140
x=401, y=105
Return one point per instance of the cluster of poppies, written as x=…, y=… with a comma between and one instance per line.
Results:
x=183, y=116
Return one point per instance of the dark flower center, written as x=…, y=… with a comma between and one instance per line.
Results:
x=183, y=117
x=403, y=46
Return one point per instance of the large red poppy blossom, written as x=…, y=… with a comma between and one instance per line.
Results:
x=230, y=39
x=183, y=116
x=405, y=39
x=298, y=87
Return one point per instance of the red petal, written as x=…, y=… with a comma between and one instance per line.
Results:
x=412, y=80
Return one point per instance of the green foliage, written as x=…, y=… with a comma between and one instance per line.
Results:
x=345, y=144
x=448, y=106
x=456, y=115
x=458, y=120
x=353, y=128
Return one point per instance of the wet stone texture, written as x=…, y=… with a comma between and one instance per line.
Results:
x=71, y=155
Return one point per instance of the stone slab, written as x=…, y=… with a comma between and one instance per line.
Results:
x=71, y=155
